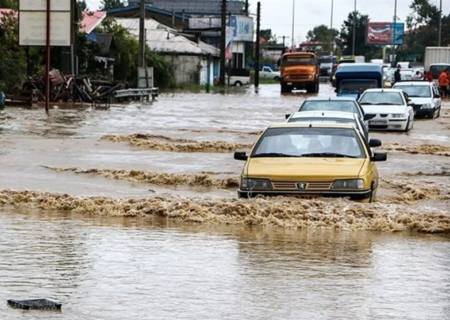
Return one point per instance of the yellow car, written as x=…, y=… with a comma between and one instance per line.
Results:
x=309, y=160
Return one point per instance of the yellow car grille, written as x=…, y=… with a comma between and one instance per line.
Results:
x=293, y=185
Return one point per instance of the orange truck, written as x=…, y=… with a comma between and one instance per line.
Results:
x=299, y=70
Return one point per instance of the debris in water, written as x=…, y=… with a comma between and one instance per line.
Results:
x=35, y=304
x=433, y=149
x=177, y=145
x=198, y=180
x=282, y=212
x=409, y=192
x=443, y=173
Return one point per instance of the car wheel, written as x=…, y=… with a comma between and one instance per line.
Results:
x=439, y=112
x=285, y=88
x=407, y=125
x=373, y=195
x=276, y=78
x=238, y=84
x=242, y=195
x=316, y=87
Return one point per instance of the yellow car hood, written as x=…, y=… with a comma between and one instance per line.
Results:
x=304, y=168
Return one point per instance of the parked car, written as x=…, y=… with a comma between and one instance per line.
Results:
x=389, y=108
x=330, y=117
x=268, y=73
x=424, y=97
x=345, y=104
x=239, y=77
x=310, y=160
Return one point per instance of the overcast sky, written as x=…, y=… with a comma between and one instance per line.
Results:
x=277, y=14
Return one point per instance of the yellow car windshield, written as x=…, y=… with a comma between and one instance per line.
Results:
x=309, y=142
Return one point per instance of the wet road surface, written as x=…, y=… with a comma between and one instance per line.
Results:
x=159, y=268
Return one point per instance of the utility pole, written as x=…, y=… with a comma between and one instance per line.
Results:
x=293, y=22
x=331, y=27
x=141, y=60
x=47, y=58
x=440, y=23
x=354, y=30
x=258, y=38
x=394, y=40
x=223, y=42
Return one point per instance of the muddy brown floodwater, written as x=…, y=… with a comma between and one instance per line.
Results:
x=131, y=213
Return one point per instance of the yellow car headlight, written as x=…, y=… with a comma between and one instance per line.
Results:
x=348, y=184
x=256, y=184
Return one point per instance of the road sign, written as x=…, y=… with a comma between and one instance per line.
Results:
x=32, y=28
x=41, y=5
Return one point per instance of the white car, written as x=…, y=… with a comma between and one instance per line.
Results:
x=390, y=108
x=424, y=97
x=330, y=117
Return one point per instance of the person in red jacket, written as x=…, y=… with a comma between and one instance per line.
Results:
x=443, y=82
x=428, y=76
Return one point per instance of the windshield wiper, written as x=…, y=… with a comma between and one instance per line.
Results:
x=388, y=104
x=274, y=155
x=327, y=155
x=365, y=103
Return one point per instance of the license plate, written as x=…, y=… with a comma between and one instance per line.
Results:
x=304, y=196
x=378, y=122
x=289, y=83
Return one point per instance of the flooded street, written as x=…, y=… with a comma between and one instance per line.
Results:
x=164, y=236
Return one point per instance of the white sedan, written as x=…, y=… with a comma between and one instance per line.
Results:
x=390, y=107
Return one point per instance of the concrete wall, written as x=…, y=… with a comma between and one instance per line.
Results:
x=191, y=69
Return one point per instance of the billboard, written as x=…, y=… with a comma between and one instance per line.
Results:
x=242, y=28
x=382, y=33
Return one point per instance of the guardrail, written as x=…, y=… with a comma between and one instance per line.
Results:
x=136, y=94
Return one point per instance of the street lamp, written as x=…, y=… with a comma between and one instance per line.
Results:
x=293, y=22
x=354, y=30
x=440, y=23
x=331, y=27
x=395, y=29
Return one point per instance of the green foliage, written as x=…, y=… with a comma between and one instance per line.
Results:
x=423, y=26
x=267, y=35
x=322, y=34
x=109, y=4
x=12, y=61
x=9, y=4
x=346, y=35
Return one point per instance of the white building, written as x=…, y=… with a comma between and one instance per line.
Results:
x=189, y=58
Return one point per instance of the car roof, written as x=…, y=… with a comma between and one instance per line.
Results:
x=414, y=83
x=324, y=114
x=330, y=99
x=312, y=125
x=382, y=90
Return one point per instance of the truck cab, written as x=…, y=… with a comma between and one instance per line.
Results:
x=299, y=70
x=353, y=79
x=326, y=64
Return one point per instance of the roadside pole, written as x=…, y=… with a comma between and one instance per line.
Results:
x=47, y=64
x=258, y=36
x=54, y=18
x=223, y=44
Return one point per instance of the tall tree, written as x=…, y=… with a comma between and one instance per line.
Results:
x=9, y=4
x=346, y=35
x=422, y=25
x=109, y=4
x=268, y=36
x=322, y=34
